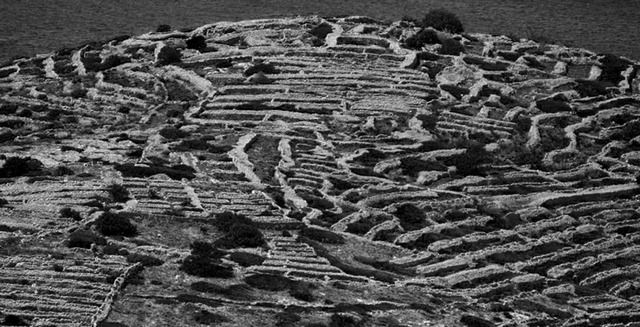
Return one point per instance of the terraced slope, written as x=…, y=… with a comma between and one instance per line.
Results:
x=394, y=186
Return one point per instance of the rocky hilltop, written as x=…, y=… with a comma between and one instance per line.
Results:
x=318, y=172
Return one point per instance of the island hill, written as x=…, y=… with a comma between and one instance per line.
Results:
x=320, y=172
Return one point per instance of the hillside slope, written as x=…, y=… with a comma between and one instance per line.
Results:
x=393, y=186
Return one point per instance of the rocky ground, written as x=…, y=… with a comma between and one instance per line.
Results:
x=496, y=186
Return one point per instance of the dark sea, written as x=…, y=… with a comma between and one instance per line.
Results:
x=28, y=27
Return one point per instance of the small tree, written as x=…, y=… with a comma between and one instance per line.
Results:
x=115, y=224
x=443, y=20
x=204, y=261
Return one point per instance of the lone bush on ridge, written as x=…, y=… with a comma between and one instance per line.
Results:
x=443, y=20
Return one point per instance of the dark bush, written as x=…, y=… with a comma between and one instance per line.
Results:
x=443, y=20
x=115, y=224
x=8, y=108
x=302, y=291
x=56, y=267
x=246, y=235
x=177, y=172
x=322, y=235
x=13, y=320
x=451, y=47
x=224, y=221
x=204, y=261
x=172, y=133
x=118, y=193
x=455, y=215
x=25, y=113
x=612, y=67
x=204, y=317
x=409, y=19
x=12, y=123
x=67, y=212
x=241, y=235
x=197, y=42
x=269, y=282
x=469, y=162
x=286, y=319
x=246, y=259
x=163, y=28
x=3, y=202
x=83, y=238
x=145, y=259
x=425, y=36
x=16, y=166
x=411, y=217
x=342, y=320
x=62, y=171
x=261, y=67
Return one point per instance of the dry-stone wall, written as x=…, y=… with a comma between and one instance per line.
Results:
x=497, y=187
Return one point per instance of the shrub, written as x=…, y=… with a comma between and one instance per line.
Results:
x=443, y=20
x=269, y=282
x=261, y=67
x=67, y=212
x=286, y=319
x=115, y=224
x=197, y=42
x=342, y=320
x=62, y=171
x=118, y=193
x=8, y=108
x=83, y=238
x=163, y=28
x=204, y=317
x=16, y=166
x=409, y=19
x=246, y=259
x=172, y=133
x=13, y=320
x=302, y=291
x=469, y=162
x=425, y=36
x=204, y=261
x=224, y=221
x=411, y=217
x=3, y=202
x=451, y=47
x=246, y=235
x=145, y=259
x=177, y=172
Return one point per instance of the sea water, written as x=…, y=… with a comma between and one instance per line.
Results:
x=28, y=27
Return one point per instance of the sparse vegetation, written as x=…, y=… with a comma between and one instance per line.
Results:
x=425, y=36
x=67, y=212
x=224, y=221
x=115, y=224
x=197, y=42
x=17, y=166
x=118, y=193
x=177, y=172
x=443, y=20
x=241, y=235
x=145, y=259
x=172, y=133
x=246, y=259
x=451, y=47
x=204, y=261
x=163, y=28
